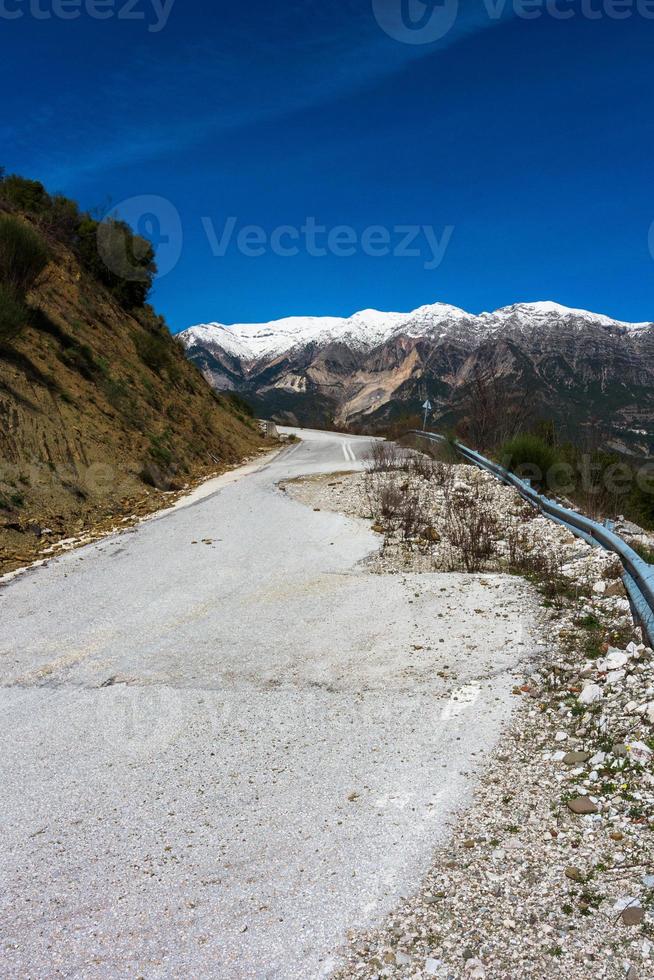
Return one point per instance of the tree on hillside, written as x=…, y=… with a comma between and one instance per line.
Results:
x=489, y=412
x=108, y=248
x=25, y=195
x=23, y=257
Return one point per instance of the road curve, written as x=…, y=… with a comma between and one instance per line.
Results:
x=224, y=743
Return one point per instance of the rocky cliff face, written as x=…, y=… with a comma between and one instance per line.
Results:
x=581, y=369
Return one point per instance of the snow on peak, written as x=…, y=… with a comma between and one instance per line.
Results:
x=371, y=328
x=547, y=309
x=365, y=330
x=255, y=340
x=441, y=310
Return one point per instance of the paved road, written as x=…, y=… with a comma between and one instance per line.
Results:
x=220, y=747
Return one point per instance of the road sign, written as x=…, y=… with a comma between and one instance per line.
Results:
x=427, y=407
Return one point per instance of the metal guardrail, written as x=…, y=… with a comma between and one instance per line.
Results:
x=638, y=574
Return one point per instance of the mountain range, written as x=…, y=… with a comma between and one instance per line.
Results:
x=583, y=370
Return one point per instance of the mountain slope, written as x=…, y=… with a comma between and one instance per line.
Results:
x=578, y=367
x=99, y=410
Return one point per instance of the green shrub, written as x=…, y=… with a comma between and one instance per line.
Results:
x=645, y=553
x=62, y=219
x=243, y=407
x=109, y=250
x=80, y=358
x=26, y=195
x=116, y=390
x=531, y=457
x=13, y=313
x=121, y=260
x=159, y=451
x=159, y=469
x=640, y=507
x=154, y=351
x=23, y=255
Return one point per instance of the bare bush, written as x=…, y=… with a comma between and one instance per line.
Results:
x=489, y=409
x=543, y=568
x=414, y=516
x=385, y=457
x=472, y=528
x=371, y=493
x=517, y=545
x=398, y=503
x=444, y=475
x=421, y=466
x=388, y=457
x=390, y=499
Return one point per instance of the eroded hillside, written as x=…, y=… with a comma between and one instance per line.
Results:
x=100, y=412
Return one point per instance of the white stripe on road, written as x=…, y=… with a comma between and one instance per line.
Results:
x=348, y=452
x=460, y=700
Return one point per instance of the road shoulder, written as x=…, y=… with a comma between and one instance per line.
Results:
x=549, y=871
x=40, y=554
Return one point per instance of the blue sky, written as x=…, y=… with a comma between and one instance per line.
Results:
x=524, y=146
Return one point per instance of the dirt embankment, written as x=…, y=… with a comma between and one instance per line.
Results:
x=101, y=415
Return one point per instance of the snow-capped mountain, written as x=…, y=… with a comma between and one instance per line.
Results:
x=364, y=330
x=375, y=366
x=370, y=328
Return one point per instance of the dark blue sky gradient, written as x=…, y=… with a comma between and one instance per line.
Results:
x=533, y=139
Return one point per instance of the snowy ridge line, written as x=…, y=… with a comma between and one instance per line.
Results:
x=638, y=574
x=371, y=328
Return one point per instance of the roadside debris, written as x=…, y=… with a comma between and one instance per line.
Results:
x=550, y=873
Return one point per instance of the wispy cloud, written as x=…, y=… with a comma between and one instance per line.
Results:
x=254, y=69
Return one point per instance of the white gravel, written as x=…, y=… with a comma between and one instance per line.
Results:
x=526, y=886
x=226, y=743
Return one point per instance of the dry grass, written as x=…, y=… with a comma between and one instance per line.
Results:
x=89, y=415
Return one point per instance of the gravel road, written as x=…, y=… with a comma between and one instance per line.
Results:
x=225, y=743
